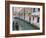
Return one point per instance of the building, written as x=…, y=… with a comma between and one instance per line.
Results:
x=35, y=17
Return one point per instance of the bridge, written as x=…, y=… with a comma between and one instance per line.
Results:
x=24, y=25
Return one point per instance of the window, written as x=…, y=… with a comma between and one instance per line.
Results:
x=38, y=9
x=33, y=9
x=33, y=17
x=38, y=19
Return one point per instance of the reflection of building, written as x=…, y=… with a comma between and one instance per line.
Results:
x=29, y=14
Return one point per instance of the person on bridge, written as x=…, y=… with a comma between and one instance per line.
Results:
x=13, y=26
